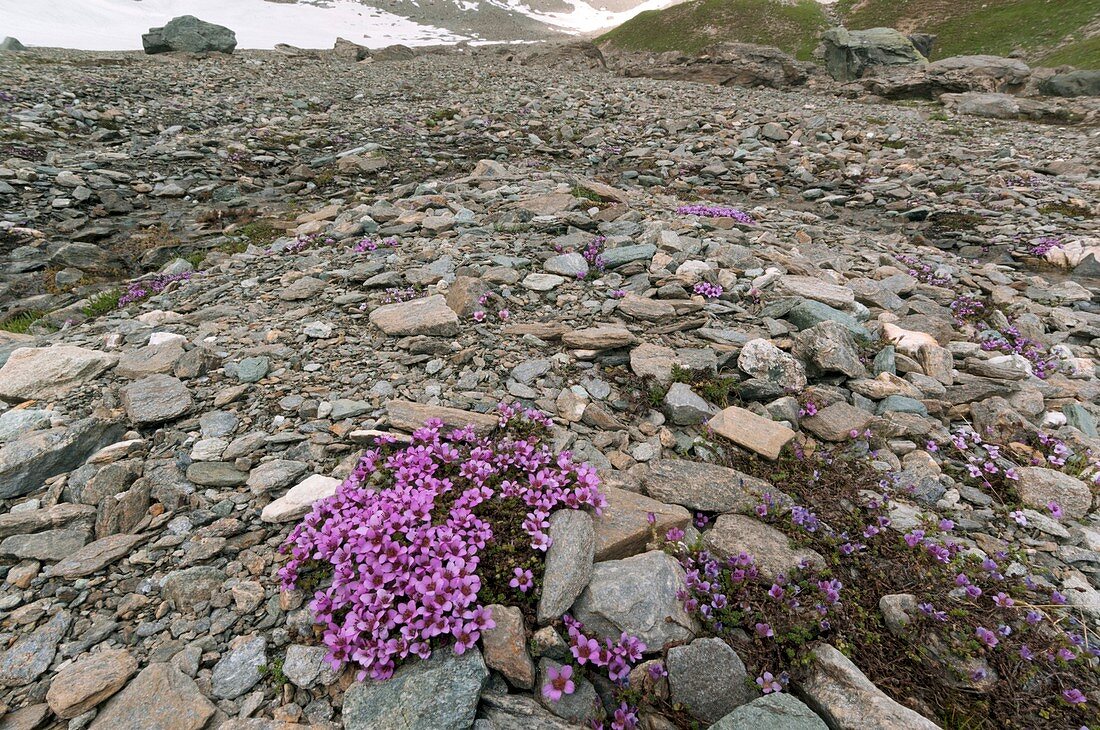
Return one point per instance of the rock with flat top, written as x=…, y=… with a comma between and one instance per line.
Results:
x=428, y=316
x=161, y=696
x=35, y=373
x=89, y=681
x=753, y=432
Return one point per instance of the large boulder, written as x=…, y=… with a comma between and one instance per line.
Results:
x=577, y=55
x=188, y=33
x=1073, y=83
x=726, y=64
x=11, y=44
x=850, y=53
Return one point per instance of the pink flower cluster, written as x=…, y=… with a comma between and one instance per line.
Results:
x=618, y=657
x=403, y=532
x=707, y=290
x=139, y=290
x=716, y=211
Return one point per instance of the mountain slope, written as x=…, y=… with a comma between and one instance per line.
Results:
x=693, y=25
x=1049, y=31
x=985, y=26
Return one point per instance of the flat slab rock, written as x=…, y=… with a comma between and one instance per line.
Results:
x=94, y=556
x=409, y=416
x=90, y=680
x=733, y=534
x=45, y=372
x=755, y=433
x=843, y=695
x=428, y=316
x=778, y=711
x=299, y=500
x=156, y=399
x=704, y=487
x=161, y=696
x=623, y=528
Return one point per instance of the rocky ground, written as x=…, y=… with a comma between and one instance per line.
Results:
x=346, y=248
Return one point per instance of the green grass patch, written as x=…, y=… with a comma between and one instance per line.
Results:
x=102, y=303
x=694, y=25
x=967, y=27
x=21, y=323
x=259, y=233
x=1081, y=53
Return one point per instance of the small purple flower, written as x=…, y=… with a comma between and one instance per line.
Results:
x=768, y=683
x=1074, y=696
x=987, y=637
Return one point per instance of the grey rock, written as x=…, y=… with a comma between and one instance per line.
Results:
x=708, y=679
x=518, y=712
x=850, y=53
x=191, y=586
x=11, y=44
x=33, y=373
x=215, y=474
x=1081, y=82
x=580, y=707
x=704, y=487
x=637, y=595
x=774, y=553
x=274, y=475
x=32, y=654
x=1038, y=486
x=305, y=666
x=572, y=265
x=156, y=399
x=188, y=33
x=530, y=370
x=762, y=359
x=845, y=698
x=830, y=347
x=684, y=407
x=568, y=562
x=159, y=697
x=15, y=423
x=35, y=457
x=253, y=369
x=777, y=711
x=51, y=545
x=440, y=692
x=240, y=669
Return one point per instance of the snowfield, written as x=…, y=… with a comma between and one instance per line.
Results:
x=117, y=25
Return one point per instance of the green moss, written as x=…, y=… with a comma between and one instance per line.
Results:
x=943, y=222
x=694, y=25
x=580, y=191
x=274, y=672
x=967, y=27
x=1070, y=210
